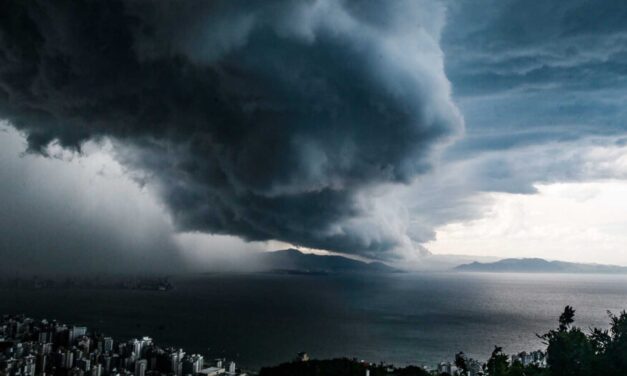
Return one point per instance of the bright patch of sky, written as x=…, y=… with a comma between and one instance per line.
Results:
x=582, y=222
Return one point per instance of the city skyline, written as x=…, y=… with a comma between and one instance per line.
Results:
x=33, y=347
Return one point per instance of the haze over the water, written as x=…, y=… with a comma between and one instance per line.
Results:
x=153, y=136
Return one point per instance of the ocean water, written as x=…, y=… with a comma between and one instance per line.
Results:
x=264, y=319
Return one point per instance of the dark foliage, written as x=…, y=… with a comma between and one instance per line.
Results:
x=339, y=367
x=570, y=351
x=573, y=352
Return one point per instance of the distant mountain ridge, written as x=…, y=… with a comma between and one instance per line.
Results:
x=538, y=265
x=294, y=261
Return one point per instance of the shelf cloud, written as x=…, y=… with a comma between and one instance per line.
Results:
x=264, y=120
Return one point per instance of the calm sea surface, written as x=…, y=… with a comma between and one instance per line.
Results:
x=260, y=319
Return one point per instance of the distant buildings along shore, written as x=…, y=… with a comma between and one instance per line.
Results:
x=31, y=347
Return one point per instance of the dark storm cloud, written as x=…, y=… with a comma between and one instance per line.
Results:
x=540, y=45
x=260, y=119
x=535, y=72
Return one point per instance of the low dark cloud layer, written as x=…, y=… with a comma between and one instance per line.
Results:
x=265, y=120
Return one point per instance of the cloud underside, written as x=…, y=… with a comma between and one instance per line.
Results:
x=263, y=120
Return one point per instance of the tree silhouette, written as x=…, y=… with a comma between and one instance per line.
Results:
x=613, y=361
x=569, y=351
x=461, y=363
x=566, y=318
x=497, y=365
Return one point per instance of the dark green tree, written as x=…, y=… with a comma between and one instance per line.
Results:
x=461, y=363
x=498, y=364
x=613, y=361
x=567, y=318
x=517, y=369
x=570, y=352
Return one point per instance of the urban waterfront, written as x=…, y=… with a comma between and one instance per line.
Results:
x=264, y=319
x=30, y=347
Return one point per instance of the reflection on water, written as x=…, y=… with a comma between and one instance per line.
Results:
x=407, y=318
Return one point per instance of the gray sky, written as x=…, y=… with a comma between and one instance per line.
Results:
x=378, y=129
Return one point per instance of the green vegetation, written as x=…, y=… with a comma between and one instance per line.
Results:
x=499, y=365
x=339, y=367
x=570, y=351
x=573, y=352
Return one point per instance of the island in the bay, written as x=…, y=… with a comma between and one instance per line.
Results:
x=538, y=265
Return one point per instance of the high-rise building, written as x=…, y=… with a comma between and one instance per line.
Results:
x=129, y=363
x=77, y=332
x=42, y=362
x=106, y=362
x=61, y=335
x=29, y=365
x=192, y=364
x=59, y=359
x=84, y=343
x=445, y=367
x=69, y=359
x=145, y=343
x=199, y=363
x=96, y=370
x=44, y=337
x=176, y=359
x=115, y=361
x=140, y=367
x=83, y=364
x=45, y=348
x=137, y=347
x=78, y=354
x=18, y=350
